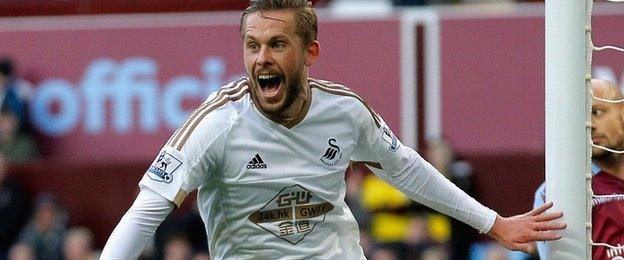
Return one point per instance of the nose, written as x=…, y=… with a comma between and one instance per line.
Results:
x=264, y=56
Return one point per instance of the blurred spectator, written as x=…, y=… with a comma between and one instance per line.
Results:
x=201, y=256
x=417, y=238
x=78, y=244
x=496, y=252
x=398, y=227
x=13, y=209
x=384, y=253
x=21, y=252
x=17, y=145
x=14, y=91
x=46, y=229
x=187, y=224
x=354, y=178
x=178, y=247
x=442, y=156
x=387, y=205
x=436, y=253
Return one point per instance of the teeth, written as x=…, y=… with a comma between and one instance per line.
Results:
x=266, y=76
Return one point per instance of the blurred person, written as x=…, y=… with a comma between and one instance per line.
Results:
x=78, y=244
x=435, y=253
x=607, y=130
x=14, y=91
x=384, y=253
x=17, y=145
x=201, y=256
x=178, y=247
x=13, y=209
x=496, y=252
x=388, y=210
x=276, y=144
x=46, y=229
x=366, y=242
x=353, y=180
x=188, y=223
x=441, y=154
x=443, y=157
x=21, y=252
x=417, y=239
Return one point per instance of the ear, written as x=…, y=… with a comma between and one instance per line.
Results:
x=312, y=52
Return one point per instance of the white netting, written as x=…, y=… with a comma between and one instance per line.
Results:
x=598, y=198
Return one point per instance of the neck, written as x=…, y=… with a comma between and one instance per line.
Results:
x=613, y=164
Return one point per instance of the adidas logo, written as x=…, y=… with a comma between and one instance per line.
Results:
x=256, y=163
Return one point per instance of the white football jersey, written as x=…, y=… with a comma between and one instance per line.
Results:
x=271, y=192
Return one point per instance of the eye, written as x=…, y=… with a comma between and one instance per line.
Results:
x=252, y=46
x=597, y=112
x=279, y=45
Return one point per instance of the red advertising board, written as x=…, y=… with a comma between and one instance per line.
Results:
x=492, y=76
x=113, y=88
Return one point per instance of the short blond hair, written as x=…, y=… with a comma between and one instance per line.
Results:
x=305, y=16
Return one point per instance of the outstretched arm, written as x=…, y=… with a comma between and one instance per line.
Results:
x=137, y=226
x=519, y=232
x=407, y=171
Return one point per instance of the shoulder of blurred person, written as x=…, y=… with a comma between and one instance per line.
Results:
x=460, y=173
x=15, y=91
x=17, y=144
x=13, y=209
x=442, y=155
x=20, y=149
x=45, y=230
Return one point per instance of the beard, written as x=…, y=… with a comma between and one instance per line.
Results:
x=600, y=155
x=604, y=156
x=293, y=88
x=292, y=91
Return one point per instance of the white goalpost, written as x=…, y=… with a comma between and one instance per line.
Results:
x=567, y=128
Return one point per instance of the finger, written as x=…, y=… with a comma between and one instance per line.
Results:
x=550, y=225
x=540, y=209
x=528, y=248
x=548, y=216
x=544, y=236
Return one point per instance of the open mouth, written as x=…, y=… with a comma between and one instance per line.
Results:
x=269, y=84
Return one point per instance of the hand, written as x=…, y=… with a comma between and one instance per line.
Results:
x=520, y=231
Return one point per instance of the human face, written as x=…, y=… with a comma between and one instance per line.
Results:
x=276, y=59
x=607, y=124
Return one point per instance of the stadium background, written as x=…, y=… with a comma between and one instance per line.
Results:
x=113, y=79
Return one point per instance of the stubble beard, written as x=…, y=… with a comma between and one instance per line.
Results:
x=603, y=156
x=293, y=88
x=292, y=92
